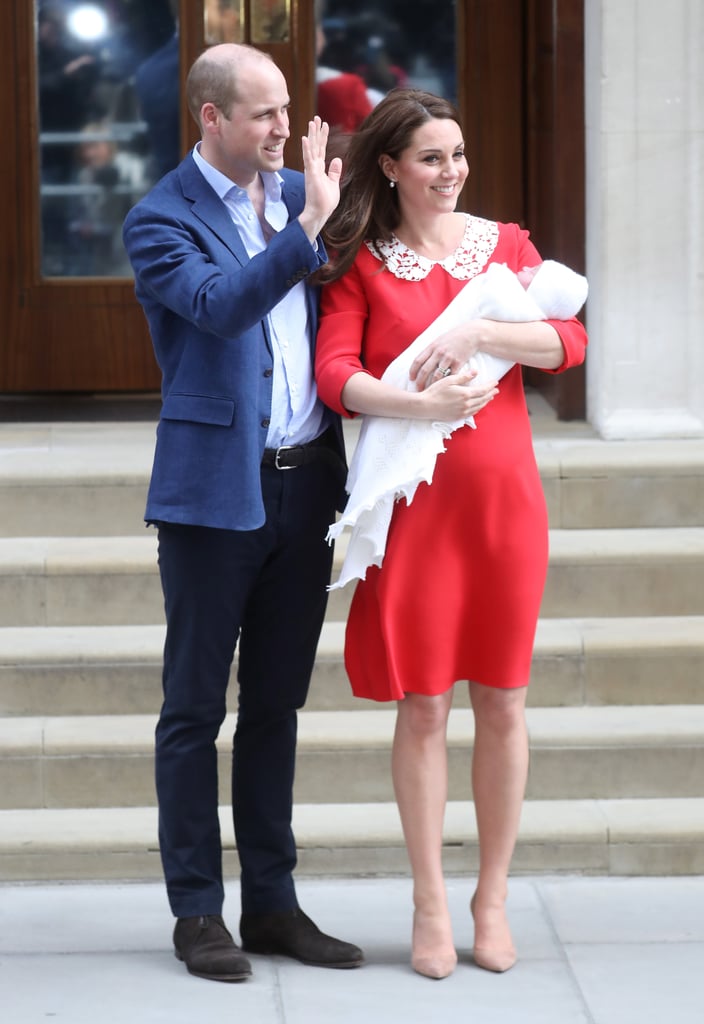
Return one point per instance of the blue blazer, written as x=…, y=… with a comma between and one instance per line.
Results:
x=206, y=302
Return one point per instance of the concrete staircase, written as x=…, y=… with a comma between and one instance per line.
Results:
x=616, y=711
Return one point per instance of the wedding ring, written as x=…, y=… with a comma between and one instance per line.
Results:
x=444, y=371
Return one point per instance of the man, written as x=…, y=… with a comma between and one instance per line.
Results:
x=247, y=472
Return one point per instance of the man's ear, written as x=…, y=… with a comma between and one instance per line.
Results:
x=209, y=116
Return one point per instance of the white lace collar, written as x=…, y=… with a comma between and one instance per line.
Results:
x=469, y=258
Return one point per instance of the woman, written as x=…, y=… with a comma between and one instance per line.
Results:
x=458, y=593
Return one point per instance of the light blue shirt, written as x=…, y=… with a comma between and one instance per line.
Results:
x=296, y=413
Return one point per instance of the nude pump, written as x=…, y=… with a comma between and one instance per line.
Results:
x=437, y=965
x=489, y=959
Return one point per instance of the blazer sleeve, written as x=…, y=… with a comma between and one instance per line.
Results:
x=182, y=264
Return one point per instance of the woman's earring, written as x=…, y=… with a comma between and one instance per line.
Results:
x=392, y=183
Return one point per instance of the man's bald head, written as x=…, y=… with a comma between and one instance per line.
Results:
x=215, y=76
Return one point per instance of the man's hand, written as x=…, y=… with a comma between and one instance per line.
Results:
x=322, y=186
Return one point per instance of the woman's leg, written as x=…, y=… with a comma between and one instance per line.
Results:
x=419, y=769
x=499, y=773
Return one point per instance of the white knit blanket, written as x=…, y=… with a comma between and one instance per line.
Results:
x=393, y=456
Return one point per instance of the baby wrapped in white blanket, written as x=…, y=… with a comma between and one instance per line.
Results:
x=392, y=455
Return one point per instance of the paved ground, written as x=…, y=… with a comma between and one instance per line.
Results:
x=592, y=951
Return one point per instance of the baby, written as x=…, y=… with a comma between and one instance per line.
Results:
x=550, y=291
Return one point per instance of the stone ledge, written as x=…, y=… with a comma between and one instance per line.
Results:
x=117, y=669
x=555, y=728
x=639, y=837
x=576, y=753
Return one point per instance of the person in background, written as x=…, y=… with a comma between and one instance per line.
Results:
x=341, y=99
x=458, y=592
x=67, y=80
x=248, y=470
x=156, y=85
x=110, y=179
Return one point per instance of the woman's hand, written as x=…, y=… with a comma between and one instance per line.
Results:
x=454, y=397
x=449, y=399
x=533, y=343
x=447, y=354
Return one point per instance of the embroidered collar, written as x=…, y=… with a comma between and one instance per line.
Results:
x=469, y=258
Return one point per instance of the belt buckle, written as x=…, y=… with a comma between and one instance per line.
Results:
x=283, y=448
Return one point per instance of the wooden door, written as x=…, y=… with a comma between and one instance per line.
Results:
x=555, y=161
x=522, y=100
x=68, y=326
x=518, y=66
x=60, y=333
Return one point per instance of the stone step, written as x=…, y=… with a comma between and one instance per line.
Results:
x=66, y=581
x=58, y=581
x=73, y=479
x=576, y=753
x=83, y=479
x=609, y=837
x=100, y=670
x=620, y=572
x=595, y=484
x=625, y=572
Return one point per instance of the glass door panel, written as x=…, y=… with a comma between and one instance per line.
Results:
x=108, y=114
x=223, y=21
x=365, y=48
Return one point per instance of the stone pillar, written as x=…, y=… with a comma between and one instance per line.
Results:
x=644, y=98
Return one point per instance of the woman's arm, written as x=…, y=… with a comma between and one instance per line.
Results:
x=550, y=345
x=347, y=386
x=451, y=398
x=536, y=343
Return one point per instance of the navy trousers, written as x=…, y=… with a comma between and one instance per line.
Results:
x=265, y=588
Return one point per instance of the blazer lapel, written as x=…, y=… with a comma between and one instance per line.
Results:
x=209, y=208
x=292, y=192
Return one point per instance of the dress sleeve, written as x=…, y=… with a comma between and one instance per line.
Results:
x=572, y=332
x=338, y=355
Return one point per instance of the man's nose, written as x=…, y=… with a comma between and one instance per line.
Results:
x=281, y=126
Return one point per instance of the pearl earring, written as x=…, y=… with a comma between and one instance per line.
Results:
x=392, y=183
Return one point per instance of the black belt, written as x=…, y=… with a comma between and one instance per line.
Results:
x=293, y=456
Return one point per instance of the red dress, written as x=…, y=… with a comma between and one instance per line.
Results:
x=459, y=590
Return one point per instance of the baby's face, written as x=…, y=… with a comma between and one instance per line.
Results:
x=526, y=275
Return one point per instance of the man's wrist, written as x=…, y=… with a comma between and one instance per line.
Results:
x=312, y=226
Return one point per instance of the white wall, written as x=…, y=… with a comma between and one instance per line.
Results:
x=644, y=64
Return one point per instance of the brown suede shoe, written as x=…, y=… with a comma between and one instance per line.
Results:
x=292, y=933
x=208, y=950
